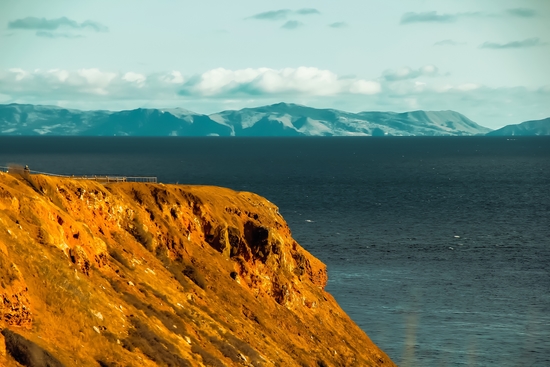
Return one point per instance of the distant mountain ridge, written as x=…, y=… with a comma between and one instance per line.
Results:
x=282, y=119
x=527, y=128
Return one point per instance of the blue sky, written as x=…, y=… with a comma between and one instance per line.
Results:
x=489, y=60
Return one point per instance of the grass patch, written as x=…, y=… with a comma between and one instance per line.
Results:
x=226, y=349
x=207, y=358
x=253, y=356
x=118, y=257
x=156, y=293
x=7, y=273
x=141, y=235
x=154, y=347
x=170, y=321
x=184, y=272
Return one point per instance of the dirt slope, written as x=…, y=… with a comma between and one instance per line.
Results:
x=133, y=274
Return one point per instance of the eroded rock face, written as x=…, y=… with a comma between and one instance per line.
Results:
x=15, y=308
x=153, y=274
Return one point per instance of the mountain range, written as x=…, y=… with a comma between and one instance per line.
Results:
x=282, y=119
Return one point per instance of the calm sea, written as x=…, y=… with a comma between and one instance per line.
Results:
x=439, y=248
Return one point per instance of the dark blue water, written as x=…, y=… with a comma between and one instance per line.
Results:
x=439, y=248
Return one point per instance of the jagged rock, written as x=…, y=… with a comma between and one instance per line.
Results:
x=15, y=307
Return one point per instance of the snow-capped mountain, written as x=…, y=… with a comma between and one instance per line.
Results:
x=291, y=119
x=280, y=119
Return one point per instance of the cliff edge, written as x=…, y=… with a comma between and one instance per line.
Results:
x=132, y=274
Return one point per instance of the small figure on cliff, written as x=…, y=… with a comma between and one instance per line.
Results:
x=26, y=169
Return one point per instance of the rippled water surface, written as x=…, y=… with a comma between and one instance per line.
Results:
x=439, y=248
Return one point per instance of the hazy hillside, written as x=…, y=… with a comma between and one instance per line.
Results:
x=50, y=120
x=527, y=128
x=280, y=119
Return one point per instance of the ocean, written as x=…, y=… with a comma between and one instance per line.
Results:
x=437, y=247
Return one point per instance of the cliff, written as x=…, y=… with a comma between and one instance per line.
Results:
x=132, y=274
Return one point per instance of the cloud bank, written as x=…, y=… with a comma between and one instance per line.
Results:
x=307, y=11
x=292, y=24
x=219, y=89
x=282, y=14
x=265, y=81
x=216, y=83
x=47, y=34
x=272, y=15
x=408, y=73
x=428, y=17
x=43, y=24
x=435, y=17
x=522, y=12
x=338, y=25
x=526, y=43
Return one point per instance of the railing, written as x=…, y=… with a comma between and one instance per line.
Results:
x=98, y=178
x=142, y=179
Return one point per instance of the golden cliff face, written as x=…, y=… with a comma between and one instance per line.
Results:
x=150, y=274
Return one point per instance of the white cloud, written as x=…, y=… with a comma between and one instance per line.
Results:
x=91, y=83
x=302, y=80
x=428, y=70
x=466, y=87
x=136, y=78
x=61, y=75
x=365, y=87
x=414, y=87
x=216, y=81
x=174, y=77
x=19, y=73
x=442, y=88
x=408, y=73
x=96, y=77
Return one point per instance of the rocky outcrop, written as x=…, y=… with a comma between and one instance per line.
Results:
x=15, y=307
x=170, y=275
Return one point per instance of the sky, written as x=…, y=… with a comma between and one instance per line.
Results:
x=489, y=60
